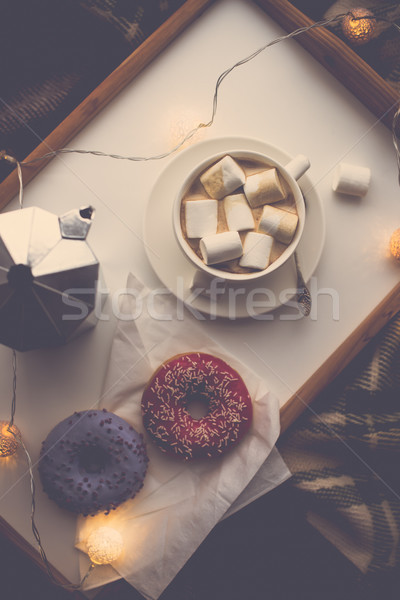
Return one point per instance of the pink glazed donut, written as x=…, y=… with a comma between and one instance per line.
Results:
x=196, y=376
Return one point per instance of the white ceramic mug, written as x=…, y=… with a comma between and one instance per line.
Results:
x=290, y=172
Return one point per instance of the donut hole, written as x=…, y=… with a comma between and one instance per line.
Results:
x=198, y=406
x=93, y=459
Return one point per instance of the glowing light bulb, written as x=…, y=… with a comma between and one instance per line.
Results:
x=104, y=545
x=357, y=30
x=183, y=123
x=9, y=439
x=395, y=244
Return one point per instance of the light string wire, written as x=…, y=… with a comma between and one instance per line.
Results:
x=395, y=137
x=11, y=159
x=396, y=117
x=193, y=131
x=322, y=23
x=35, y=530
x=222, y=76
x=5, y=156
x=49, y=568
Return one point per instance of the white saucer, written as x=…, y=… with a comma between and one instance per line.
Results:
x=237, y=299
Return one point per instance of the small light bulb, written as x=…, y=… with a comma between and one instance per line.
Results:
x=181, y=125
x=10, y=437
x=395, y=244
x=357, y=30
x=104, y=545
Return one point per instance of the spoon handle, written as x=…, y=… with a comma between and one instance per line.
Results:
x=303, y=296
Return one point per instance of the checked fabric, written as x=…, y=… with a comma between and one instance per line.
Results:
x=345, y=455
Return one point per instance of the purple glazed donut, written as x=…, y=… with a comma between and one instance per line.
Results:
x=92, y=461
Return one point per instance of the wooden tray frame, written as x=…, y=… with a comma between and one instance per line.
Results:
x=333, y=53
x=328, y=49
x=379, y=97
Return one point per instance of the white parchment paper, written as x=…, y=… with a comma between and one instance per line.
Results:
x=180, y=502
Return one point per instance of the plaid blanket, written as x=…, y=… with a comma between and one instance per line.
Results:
x=344, y=457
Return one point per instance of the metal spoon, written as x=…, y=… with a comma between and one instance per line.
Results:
x=303, y=296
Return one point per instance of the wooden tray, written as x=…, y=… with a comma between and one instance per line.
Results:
x=335, y=55
x=340, y=60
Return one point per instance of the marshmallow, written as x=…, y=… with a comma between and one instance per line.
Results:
x=351, y=179
x=298, y=166
x=263, y=188
x=278, y=223
x=220, y=247
x=256, y=251
x=201, y=217
x=238, y=213
x=223, y=178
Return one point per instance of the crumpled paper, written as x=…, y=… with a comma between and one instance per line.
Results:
x=180, y=502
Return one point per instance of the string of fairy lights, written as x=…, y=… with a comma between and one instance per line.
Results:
x=105, y=544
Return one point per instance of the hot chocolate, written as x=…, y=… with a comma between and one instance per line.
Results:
x=249, y=196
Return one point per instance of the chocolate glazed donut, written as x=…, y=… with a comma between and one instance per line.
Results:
x=196, y=376
x=92, y=461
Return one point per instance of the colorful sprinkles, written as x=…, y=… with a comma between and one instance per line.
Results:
x=196, y=376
